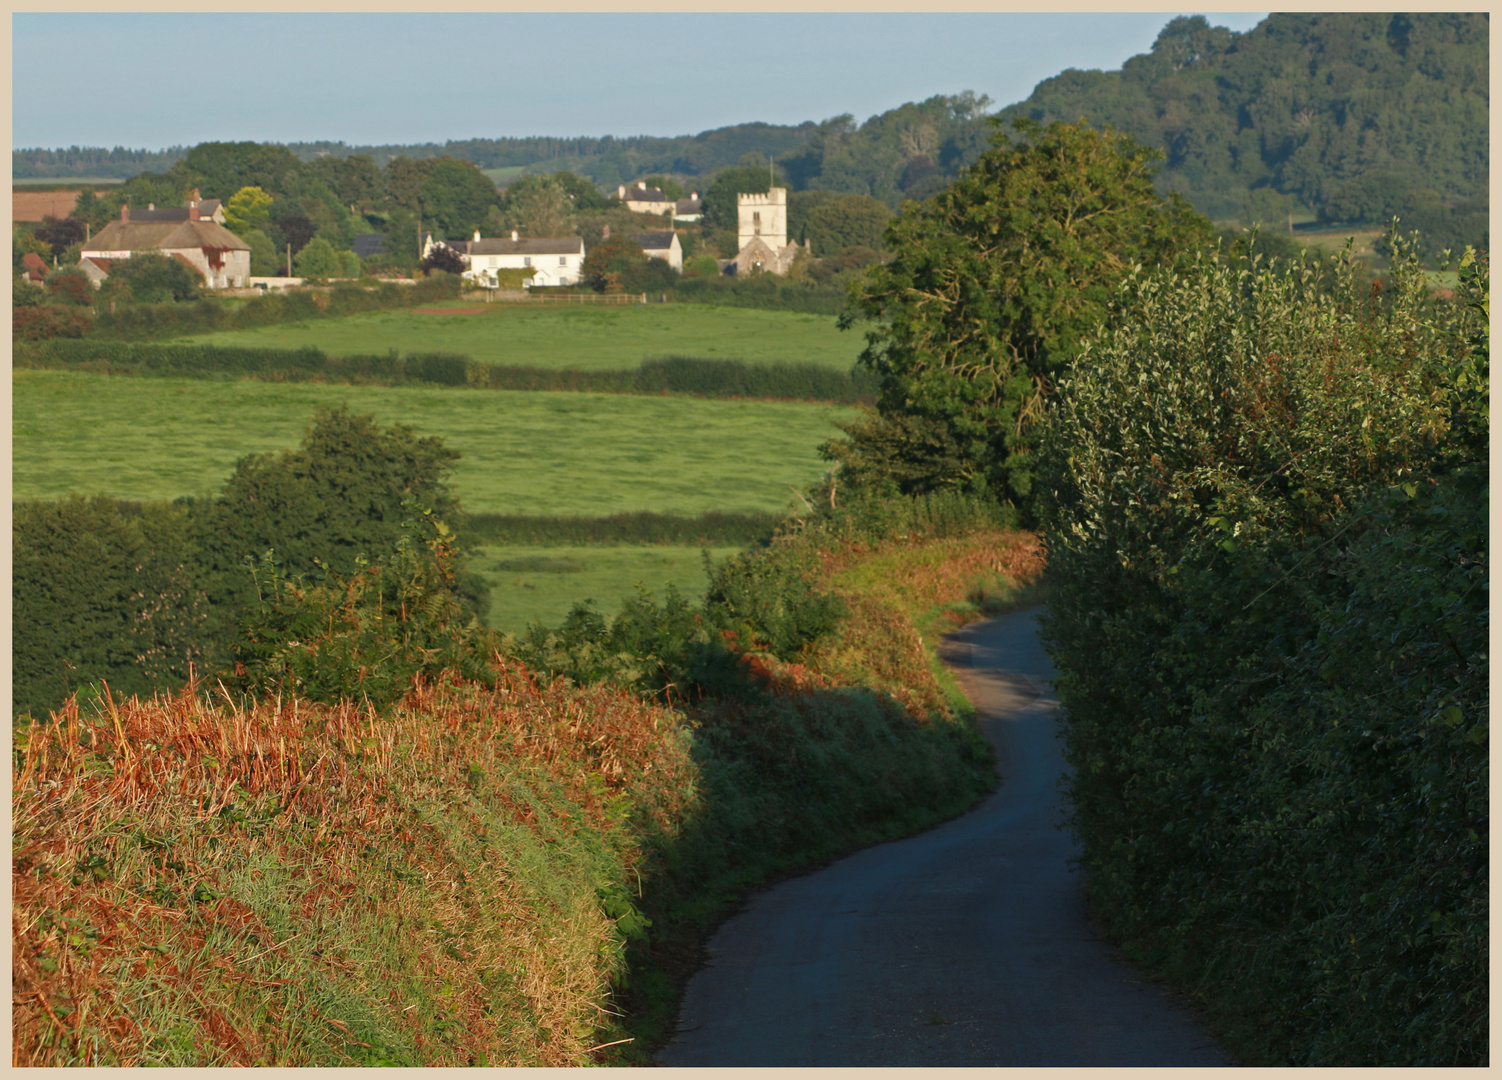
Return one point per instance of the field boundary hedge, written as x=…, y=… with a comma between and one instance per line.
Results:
x=687, y=375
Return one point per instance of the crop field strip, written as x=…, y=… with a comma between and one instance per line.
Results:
x=587, y=338
x=584, y=455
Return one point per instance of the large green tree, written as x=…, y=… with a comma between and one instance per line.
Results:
x=455, y=196
x=536, y=206
x=993, y=285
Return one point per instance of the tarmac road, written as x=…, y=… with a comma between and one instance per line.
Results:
x=963, y=946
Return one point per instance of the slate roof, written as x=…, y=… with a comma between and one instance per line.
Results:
x=644, y=194
x=532, y=245
x=206, y=209
x=654, y=241
x=689, y=206
x=368, y=244
x=149, y=235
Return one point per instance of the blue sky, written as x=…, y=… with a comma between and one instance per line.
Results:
x=403, y=78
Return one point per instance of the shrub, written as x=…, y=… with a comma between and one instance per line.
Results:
x=1265, y=609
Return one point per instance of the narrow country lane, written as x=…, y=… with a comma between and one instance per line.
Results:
x=964, y=946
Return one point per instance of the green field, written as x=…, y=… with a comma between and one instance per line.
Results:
x=530, y=584
x=524, y=452
x=589, y=337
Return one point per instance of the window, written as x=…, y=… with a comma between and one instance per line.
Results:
x=756, y=221
x=526, y=260
x=563, y=260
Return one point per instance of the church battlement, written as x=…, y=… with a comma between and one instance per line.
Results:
x=764, y=217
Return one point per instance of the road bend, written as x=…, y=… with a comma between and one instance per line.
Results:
x=966, y=945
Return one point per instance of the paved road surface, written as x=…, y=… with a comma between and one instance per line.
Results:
x=966, y=945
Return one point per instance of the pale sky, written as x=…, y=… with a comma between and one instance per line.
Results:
x=181, y=79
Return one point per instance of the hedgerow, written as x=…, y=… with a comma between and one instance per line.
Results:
x=1265, y=502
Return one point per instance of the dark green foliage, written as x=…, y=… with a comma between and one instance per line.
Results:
x=762, y=291
x=994, y=283
x=101, y=590
x=719, y=200
x=659, y=375
x=455, y=197
x=365, y=635
x=843, y=222
x=341, y=496
x=909, y=152
x=155, y=279
x=1354, y=115
x=1265, y=495
x=713, y=529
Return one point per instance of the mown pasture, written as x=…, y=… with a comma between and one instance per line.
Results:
x=589, y=337
x=524, y=453
x=540, y=584
x=582, y=455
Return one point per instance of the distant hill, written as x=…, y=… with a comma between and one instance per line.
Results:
x=1338, y=118
x=1349, y=117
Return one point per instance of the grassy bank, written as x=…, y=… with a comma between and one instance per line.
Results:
x=546, y=454
x=509, y=875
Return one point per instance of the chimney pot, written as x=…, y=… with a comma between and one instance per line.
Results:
x=514, y=237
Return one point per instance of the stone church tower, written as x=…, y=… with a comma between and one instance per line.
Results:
x=763, y=233
x=763, y=216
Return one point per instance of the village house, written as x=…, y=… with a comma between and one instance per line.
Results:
x=553, y=260
x=762, y=234
x=221, y=258
x=689, y=209
x=661, y=245
x=208, y=210
x=646, y=200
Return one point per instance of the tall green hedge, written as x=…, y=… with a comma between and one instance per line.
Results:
x=1265, y=496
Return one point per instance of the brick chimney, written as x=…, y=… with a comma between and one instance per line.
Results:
x=125, y=211
x=193, y=213
x=605, y=235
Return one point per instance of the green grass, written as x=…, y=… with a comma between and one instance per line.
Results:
x=524, y=453
x=504, y=173
x=529, y=584
x=591, y=338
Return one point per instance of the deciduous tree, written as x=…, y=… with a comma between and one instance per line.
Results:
x=993, y=284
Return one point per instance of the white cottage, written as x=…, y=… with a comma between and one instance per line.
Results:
x=553, y=260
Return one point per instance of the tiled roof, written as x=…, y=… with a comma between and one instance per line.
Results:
x=645, y=194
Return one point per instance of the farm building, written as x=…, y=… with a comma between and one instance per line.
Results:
x=221, y=258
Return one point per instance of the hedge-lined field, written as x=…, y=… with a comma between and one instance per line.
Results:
x=696, y=376
x=539, y=454
x=589, y=337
